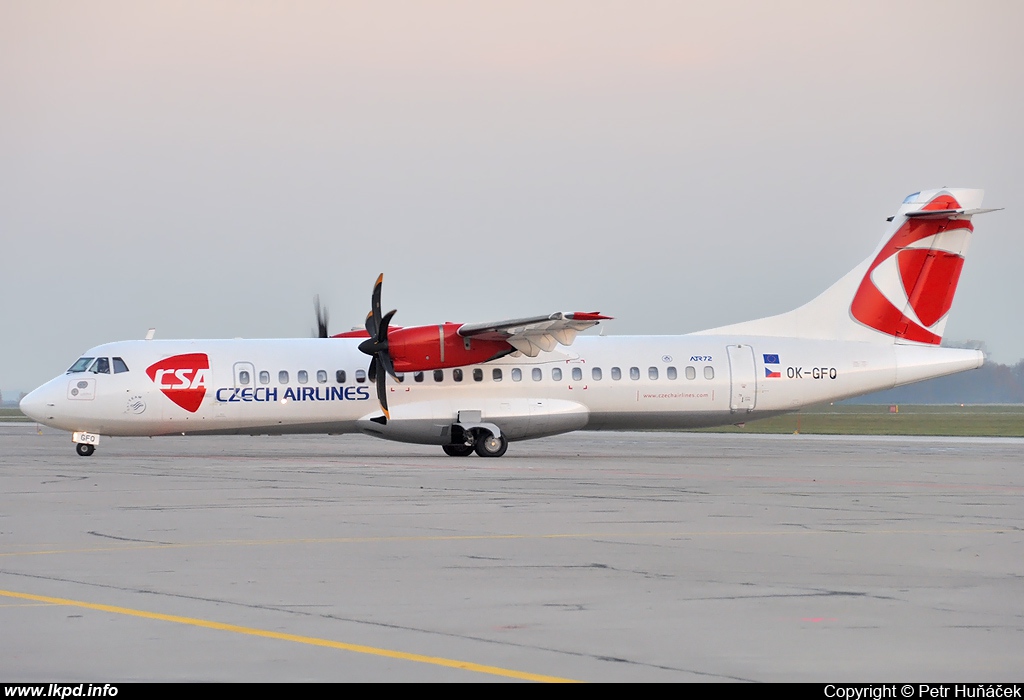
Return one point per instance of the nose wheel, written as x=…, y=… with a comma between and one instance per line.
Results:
x=85, y=450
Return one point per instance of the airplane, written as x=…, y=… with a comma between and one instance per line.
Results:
x=476, y=387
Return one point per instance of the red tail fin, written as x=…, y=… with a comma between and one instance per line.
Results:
x=909, y=287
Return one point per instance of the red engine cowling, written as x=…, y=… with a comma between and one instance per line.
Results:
x=422, y=348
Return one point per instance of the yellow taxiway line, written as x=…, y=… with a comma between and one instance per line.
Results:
x=298, y=639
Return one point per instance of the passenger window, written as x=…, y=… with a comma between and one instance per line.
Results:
x=119, y=366
x=556, y=374
x=537, y=374
x=457, y=375
x=691, y=372
x=517, y=374
x=101, y=366
x=360, y=376
x=400, y=376
x=303, y=376
x=478, y=375
x=596, y=374
x=243, y=377
x=709, y=372
x=439, y=375
x=418, y=377
x=634, y=372
x=264, y=377
x=321, y=376
x=671, y=372
x=577, y=374
x=496, y=374
x=282, y=377
x=652, y=372
x=616, y=373
x=339, y=376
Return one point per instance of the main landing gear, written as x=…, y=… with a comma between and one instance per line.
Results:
x=489, y=446
x=482, y=442
x=85, y=450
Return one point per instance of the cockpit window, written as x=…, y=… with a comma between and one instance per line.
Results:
x=81, y=365
x=119, y=366
x=100, y=366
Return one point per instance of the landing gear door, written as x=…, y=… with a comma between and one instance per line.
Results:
x=245, y=375
x=742, y=378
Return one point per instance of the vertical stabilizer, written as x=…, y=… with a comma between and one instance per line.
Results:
x=903, y=291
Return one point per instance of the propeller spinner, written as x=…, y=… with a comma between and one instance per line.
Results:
x=376, y=346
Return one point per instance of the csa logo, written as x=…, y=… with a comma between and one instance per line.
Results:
x=909, y=286
x=182, y=379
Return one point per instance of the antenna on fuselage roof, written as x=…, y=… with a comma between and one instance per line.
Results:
x=150, y=333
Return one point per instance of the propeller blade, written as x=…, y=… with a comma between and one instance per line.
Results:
x=382, y=329
x=321, y=318
x=375, y=301
x=382, y=395
x=376, y=346
x=385, y=363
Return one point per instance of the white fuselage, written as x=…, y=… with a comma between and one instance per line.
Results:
x=605, y=383
x=878, y=327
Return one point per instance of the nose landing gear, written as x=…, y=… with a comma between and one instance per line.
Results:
x=85, y=443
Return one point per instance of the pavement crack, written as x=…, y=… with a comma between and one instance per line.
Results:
x=125, y=539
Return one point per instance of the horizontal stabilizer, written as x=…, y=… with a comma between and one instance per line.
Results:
x=954, y=214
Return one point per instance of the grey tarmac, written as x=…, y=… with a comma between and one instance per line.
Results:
x=590, y=557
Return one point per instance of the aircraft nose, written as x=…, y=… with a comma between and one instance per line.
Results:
x=34, y=404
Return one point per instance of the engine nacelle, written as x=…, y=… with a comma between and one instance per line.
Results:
x=422, y=348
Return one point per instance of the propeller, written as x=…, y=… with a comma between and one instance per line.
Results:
x=376, y=346
x=321, y=318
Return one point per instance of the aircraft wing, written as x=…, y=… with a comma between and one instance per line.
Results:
x=531, y=335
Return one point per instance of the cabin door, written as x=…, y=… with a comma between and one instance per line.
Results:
x=742, y=378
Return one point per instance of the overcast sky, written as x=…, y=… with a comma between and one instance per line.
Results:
x=206, y=168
